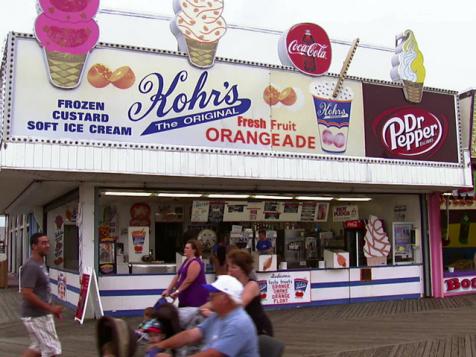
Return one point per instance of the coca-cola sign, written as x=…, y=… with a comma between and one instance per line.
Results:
x=410, y=131
x=396, y=130
x=307, y=47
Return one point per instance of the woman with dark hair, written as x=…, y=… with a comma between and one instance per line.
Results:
x=240, y=266
x=187, y=285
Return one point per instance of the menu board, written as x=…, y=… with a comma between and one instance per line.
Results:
x=200, y=211
x=345, y=213
x=308, y=211
x=290, y=211
x=280, y=288
x=215, y=211
x=235, y=211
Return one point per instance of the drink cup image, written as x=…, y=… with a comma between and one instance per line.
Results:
x=138, y=238
x=332, y=114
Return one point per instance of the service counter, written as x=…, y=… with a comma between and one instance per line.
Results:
x=129, y=294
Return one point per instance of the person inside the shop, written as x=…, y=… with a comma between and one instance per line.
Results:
x=264, y=245
x=218, y=257
x=187, y=285
x=228, y=332
x=240, y=266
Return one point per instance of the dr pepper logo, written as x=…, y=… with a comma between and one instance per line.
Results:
x=307, y=47
x=410, y=132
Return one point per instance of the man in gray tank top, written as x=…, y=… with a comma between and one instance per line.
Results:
x=36, y=309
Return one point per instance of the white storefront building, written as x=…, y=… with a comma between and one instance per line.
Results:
x=90, y=166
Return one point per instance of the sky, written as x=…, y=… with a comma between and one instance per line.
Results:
x=443, y=30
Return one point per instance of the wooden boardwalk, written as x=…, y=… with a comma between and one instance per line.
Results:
x=425, y=327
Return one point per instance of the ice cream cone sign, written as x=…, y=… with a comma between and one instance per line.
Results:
x=377, y=245
x=67, y=32
x=407, y=66
x=198, y=26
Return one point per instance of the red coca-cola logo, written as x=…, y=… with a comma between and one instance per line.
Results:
x=354, y=224
x=307, y=47
x=411, y=132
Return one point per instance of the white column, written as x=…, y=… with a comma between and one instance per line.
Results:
x=86, y=226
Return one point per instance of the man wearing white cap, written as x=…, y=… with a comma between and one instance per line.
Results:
x=229, y=332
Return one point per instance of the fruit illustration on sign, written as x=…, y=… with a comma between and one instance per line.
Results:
x=273, y=96
x=407, y=66
x=99, y=75
x=123, y=77
x=198, y=27
x=288, y=96
x=306, y=47
x=67, y=32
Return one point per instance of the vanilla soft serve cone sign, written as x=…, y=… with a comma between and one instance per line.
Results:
x=407, y=66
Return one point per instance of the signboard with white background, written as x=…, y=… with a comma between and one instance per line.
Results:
x=162, y=101
x=281, y=288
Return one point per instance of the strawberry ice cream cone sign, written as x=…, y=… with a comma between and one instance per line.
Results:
x=306, y=47
x=198, y=27
x=67, y=32
x=377, y=244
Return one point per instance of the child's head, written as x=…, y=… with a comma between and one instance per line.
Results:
x=155, y=336
x=154, y=331
x=149, y=313
x=107, y=350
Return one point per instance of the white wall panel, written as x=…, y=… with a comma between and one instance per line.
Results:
x=58, y=157
x=367, y=291
x=330, y=293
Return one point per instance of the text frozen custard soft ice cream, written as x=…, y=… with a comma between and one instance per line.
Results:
x=333, y=115
x=407, y=66
x=198, y=26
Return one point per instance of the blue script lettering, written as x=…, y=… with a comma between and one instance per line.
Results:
x=163, y=102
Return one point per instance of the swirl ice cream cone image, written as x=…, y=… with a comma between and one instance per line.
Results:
x=67, y=33
x=407, y=66
x=377, y=245
x=198, y=26
x=333, y=115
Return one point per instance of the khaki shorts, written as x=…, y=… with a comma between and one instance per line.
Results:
x=43, y=336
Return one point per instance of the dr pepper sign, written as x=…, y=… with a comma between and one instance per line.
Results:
x=306, y=47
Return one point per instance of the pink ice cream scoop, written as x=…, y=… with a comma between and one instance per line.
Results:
x=66, y=46
x=74, y=38
x=70, y=10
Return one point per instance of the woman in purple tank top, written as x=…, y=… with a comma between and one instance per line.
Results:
x=187, y=285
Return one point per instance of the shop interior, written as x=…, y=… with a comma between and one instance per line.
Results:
x=145, y=232
x=458, y=232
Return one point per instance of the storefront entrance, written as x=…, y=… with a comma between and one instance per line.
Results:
x=168, y=241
